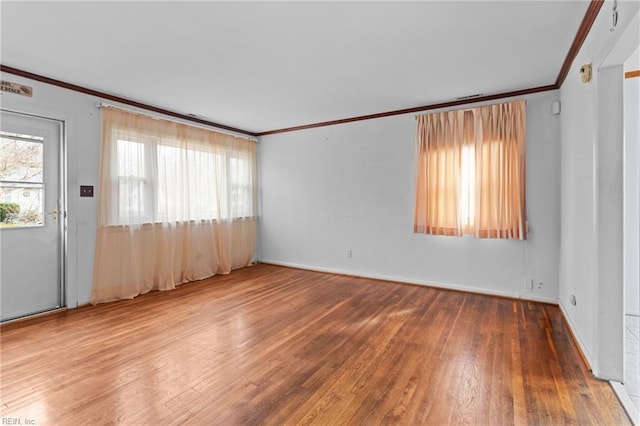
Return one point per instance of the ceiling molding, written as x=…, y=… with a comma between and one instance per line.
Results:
x=103, y=95
x=587, y=22
x=415, y=109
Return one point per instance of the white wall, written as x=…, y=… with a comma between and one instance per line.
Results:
x=351, y=187
x=632, y=189
x=609, y=332
x=633, y=61
x=340, y=187
x=591, y=182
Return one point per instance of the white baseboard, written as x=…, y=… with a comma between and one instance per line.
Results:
x=627, y=403
x=445, y=286
x=576, y=336
x=83, y=302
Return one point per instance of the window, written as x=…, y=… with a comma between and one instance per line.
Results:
x=471, y=172
x=132, y=178
x=21, y=180
x=163, y=178
x=176, y=203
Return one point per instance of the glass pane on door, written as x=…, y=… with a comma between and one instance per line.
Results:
x=21, y=180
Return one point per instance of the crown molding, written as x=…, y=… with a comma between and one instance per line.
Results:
x=114, y=98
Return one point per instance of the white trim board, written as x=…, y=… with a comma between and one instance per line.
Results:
x=401, y=280
x=626, y=402
x=576, y=337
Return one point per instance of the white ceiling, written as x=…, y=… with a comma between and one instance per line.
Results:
x=261, y=66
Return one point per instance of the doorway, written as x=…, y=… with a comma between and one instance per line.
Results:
x=31, y=215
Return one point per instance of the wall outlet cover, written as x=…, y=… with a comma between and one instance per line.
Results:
x=86, y=190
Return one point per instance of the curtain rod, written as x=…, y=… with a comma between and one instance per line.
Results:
x=157, y=117
x=470, y=109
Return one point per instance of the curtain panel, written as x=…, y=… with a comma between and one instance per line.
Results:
x=471, y=172
x=176, y=204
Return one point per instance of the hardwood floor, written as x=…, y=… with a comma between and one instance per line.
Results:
x=271, y=345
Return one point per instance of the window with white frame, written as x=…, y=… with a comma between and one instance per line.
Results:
x=159, y=179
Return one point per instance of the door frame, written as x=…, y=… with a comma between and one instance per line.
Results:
x=609, y=132
x=62, y=188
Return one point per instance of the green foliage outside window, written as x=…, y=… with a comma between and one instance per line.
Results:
x=8, y=211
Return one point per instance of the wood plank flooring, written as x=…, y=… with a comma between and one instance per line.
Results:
x=272, y=345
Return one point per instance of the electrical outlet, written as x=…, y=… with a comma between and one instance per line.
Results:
x=540, y=285
x=528, y=283
x=86, y=190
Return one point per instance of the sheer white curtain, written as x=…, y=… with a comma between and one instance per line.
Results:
x=176, y=204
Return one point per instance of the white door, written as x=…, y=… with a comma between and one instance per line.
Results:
x=30, y=215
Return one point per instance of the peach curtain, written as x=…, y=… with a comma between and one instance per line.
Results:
x=471, y=172
x=176, y=204
x=439, y=161
x=499, y=137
